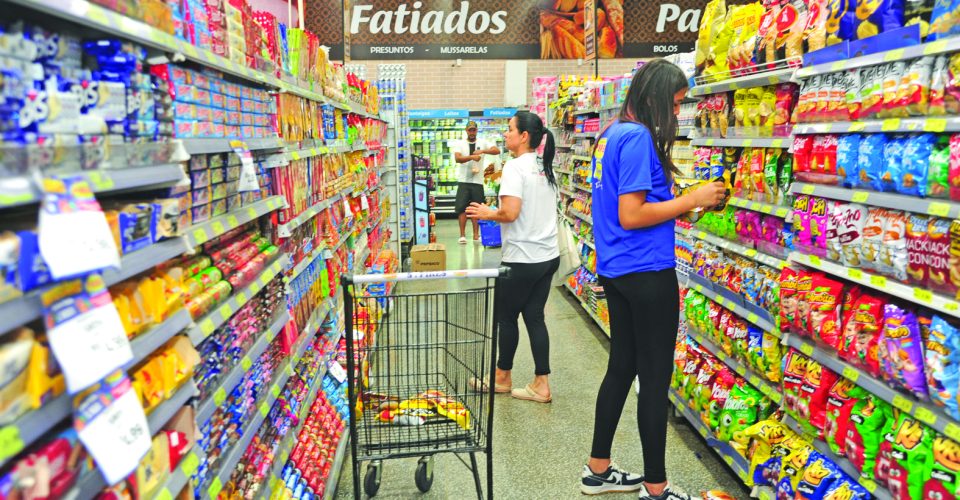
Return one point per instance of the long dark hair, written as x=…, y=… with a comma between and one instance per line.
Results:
x=532, y=124
x=649, y=102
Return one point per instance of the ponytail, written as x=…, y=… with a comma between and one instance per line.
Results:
x=532, y=124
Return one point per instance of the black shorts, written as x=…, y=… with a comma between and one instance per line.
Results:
x=467, y=193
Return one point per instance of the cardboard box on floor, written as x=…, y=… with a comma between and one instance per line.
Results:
x=432, y=257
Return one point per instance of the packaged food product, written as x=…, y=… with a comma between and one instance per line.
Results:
x=895, y=73
x=954, y=168
x=870, y=160
x=938, y=257
x=942, y=475
x=841, y=21
x=938, y=172
x=704, y=380
x=788, y=298
x=824, y=323
x=892, y=168
x=885, y=459
x=873, y=237
x=834, y=248
x=739, y=411
x=794, y=465
x=938, y=86
x=871, y=91
x=862, y=329
x=852, y=219
x=812, y=402
x=911, y=448
x=942, y=355
x=852, y=98
x=904, y=349
x=848, y=489
x=804, y=285
x=918, y=12
x=819, y=474
x=954, y=262
x=945, y=19
x=772, y=360
x=875, y=17
x=914, y=93
x=848, y=151
x=715, y=9
x=791, y=22
x=720, y=389
x=840, y=402
x=893, y=250
x=864, y=433
x=819, y=223
x=794, y=370
x=918, y=267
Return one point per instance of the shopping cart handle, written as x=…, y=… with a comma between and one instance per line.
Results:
x=502, y=272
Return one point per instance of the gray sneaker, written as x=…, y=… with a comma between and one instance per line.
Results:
x=611, y=481
x=671, y=492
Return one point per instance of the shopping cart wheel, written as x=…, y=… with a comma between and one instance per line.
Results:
x=371, y=481
x=424, y=474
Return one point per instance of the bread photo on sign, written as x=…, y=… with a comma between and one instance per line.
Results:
x=562, y=34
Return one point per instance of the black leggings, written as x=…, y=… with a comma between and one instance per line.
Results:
x=644, y=315
x=526, y=292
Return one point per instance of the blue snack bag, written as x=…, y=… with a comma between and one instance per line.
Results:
x=847, y=489
x=878, y=16
x=870, y=160
x=891, y=168
x=848, y=153
x=942, y=360
x=916, y=164
x=818, y=476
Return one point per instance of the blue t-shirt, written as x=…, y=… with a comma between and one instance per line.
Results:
x=626, y=161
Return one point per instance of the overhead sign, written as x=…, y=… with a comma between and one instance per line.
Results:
x=499, y=112
x=494, y=29
x=426, y=114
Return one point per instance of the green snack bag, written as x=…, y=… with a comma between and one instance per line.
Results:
x=785, y=176
x=943, y=469
x=739, y=412
x=938, y=170
x=881, y=471
x=843, y=397
x=911, y=448
x=770, y=184
x=864, y=433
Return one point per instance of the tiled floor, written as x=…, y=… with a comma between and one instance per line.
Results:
x=539, y=450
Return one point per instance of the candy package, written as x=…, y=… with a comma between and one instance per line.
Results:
x=812, y=402
x=918, y=267
x=794, y=370
x=824, y=322
x=911, y=448
x=864, y=433
x=938, y=257
x=942, y=364
x=840, y=402
x=942, y=475
x=904, y=350
x=861, y=333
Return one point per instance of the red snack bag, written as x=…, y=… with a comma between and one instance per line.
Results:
x=794, y=369
x=825, y=154
x=861, y=333
x=788, y=296
x=918, y=243
x=881, y=471
x=803, y=150
x=953, y=171
x=825, y=299
x=812, y=402
x=938, y=272
x=722, y=336
x=804, y=285
x=840, y=402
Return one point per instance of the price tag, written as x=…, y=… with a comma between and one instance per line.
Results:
x=337, y=371
x=782, y=212
x=226, y=311
x=807, y=189
x=868, y=484
x=878, y=281
x=698, y=288
x=702, y=235
x=720, y=300
x=100, y=181
x=264, y=408
x=938, y=208
x=748, y=143
x=755, y=381
x=893, y=55
x=934, y=125
x=827, y=128
x=364, y=203
x=890, y=125
x=952, y=431
x=215, y=488
x=242, y=298
x=295, y=155
x=923, y=295
x=806, y=349
x=74, y=236
x=85, y=331
x=164, y=495
x=246, y=363
x=10, y=442
x=200, y=235
x=860, y=196
x=858, y=126
x=926, y=416
x=314, y=152
x=710, y=142
x=814, y=260
x=219, y=397
x=275, y=390
x=753, y=318
x=837, y=66
x=750, y=253
x=854, y=273
x=113, y=428
x=708, y=90
x=190, y=50
x=755, y=206
x=935, y=47
x=217, y=227
x=767, y=209
x=233, y=222
x=851, y=374
x=190, y=464
x=951, y=306
x=902, y=403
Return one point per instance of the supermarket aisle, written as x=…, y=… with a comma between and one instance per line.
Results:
x=539, y=449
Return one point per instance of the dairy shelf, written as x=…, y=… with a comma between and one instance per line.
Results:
x=744, y=82
x=768, y=388
x=938, y=208
x=929, y=414
x=726, y=298
x=203, y=327
x=738, y=464
x=735, y=247
x=917, y=295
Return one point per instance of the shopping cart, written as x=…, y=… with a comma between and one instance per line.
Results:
x=414, y=364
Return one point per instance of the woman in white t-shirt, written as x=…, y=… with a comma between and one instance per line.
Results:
x=527, y=212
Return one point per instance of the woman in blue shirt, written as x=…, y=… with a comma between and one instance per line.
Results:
x=633, y=214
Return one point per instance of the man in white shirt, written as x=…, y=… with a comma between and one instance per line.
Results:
x=473, y=157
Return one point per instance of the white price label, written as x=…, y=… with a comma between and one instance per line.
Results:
x=248, y=171
x=116, y=435
x=364, y=203
x=77, y=242
x=337, y=371
x=90, y=346
x=347, y=213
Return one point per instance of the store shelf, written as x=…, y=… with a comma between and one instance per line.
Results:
x=588, y=243
x=563, y=171
x=684, y=132
x=285, y=230
x=768, y=388
x=583, y=188
x=32, y=425
x=322, y=150
x=743, y=142
x=23, y=190
x=736, y=461
x=203, y=327
x=21, y=310
x=585, y=135
x=924, y=412
x=917, y=295
x=582, y=158
x=726, y=298
x=339, y=461
x=151, y=340
x=218, y=226
x=593, y=315
x=229, y=464
x=206, y=407
x=951, y=44
x=878, y=492
x=582, y=216
x=567, y=191
x=892, y=125
x=726, y=244
x=745, y=82
x=939, y=208
x=222, y=145
x=759, y=206
x=181, y=474
x=305, y=263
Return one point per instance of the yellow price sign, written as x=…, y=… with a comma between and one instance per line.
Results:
x=295, y=155
x=808, y=189
x=747, y=143
x=858, y=126
x=878, y=281
x=938, y=208
x=200, y=235
x=952, y=431
x=868, y=484
x=767, y=209
x=782, y=212
x=207, y=327
x=935, y=47
x=721, y=300
x=220, y=396
x=164, y=495
x=893, y=55
x=264, y=409
x=190, y=464
x=10, y=441
x=232, y=221
x=923, y=295
x=702, y=235
x=851, y=373
x=890, y=125
x=814, y=260
x=806, y=349
x=827, y=128
x=854, y=273
x=246, y=363
x=935, y=125
x=750, y=253
x=217, y=227
x=252, y=213
x=902, y=403
x=214, y=490
x=752, y=317
x=926, y=416
x=838, y=66
x=242, y=298
x=860, y=197
x=951, y=306
x=275, y=391
x=698, y=288
x=226, y=311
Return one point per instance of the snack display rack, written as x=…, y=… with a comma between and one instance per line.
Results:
x=351, y=227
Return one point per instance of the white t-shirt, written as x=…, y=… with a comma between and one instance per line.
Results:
x=465, y=171
x=532, y=237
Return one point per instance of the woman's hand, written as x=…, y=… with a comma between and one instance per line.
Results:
x=480, y=211
x=709, y=195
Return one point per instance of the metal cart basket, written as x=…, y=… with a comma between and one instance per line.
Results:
x=419, y=366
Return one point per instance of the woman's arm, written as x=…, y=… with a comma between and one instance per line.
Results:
x=508, y=212
x=635, y=212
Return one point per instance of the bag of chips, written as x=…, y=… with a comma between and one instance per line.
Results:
x=938, y=257
x=834, y=248
x=791, y=471
x=938, y=86
x=788, y=299
x=804, y=286
x=885, y=452
x=914, y=93
x=873, y=238
x=862, y=330
x=916, y=164
x=878, y=16
x=794, y=370
x=739, y=411
x=864, y=433
x=840, y=402
x=911, y=448
x=945, y=20
x=871, y=91
x=870, y=160
x=918, y=241
x=942, y=360
x=938, y=173
x=942, y=477
x=851, y=220
x=704, y=383
x=848, y=150
x=818, y=475
x=845, y=488
x=841, y=21
x=891, y=91
x=825, y=307
x=772, y=358
x=954, y=261
x=812, y=402
x=720, y=389
x=904, y=363
x=892, y=167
